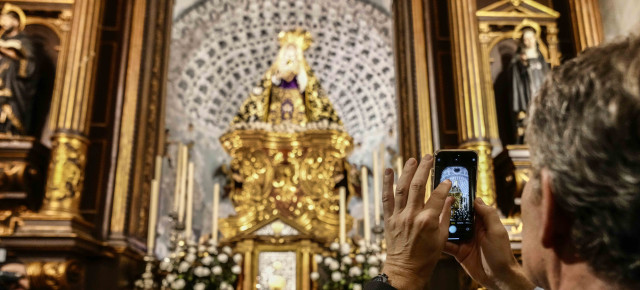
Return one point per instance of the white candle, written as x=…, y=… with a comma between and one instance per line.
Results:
x=189, y=220
x=364, y=181
x=376, y=189
x=158, y=170
x=214, y=214
x=399, y=163
x=153, y=216
x=176, y=193
x=343, y=215
x=183, y=183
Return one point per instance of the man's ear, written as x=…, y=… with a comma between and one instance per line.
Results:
x=555, y=225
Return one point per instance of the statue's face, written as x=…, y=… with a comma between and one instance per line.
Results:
x=289, y=64
x=8, y=22
x=529, y=39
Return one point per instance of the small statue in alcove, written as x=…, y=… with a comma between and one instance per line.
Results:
x=528, y=69
x=18, y=78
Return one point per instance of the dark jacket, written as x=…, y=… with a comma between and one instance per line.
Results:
x=375, y=285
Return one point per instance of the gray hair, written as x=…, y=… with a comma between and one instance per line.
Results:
x=584, y=128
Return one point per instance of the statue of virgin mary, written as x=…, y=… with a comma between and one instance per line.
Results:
x=289, y=94
x=528, y=69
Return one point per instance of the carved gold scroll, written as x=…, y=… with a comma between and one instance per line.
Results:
x=289, y=175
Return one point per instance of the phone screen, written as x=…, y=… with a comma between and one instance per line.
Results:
x=459, y=166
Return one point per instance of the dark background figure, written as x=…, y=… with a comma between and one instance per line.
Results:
x=18, y=73
x=528, y=69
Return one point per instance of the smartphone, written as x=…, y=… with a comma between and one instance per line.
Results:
x=460, y=167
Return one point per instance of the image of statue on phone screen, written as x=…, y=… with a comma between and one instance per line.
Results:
x=459, y=177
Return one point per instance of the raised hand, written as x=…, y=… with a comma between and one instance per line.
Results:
x=415, y=231
x=488, y=258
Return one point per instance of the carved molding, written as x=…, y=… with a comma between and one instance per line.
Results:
x=57, y=275
x=9, y=220
x=66, y=174
x=587, y=23
x=414, y=79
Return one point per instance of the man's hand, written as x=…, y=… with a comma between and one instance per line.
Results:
x=415, y=231
x=487, y=258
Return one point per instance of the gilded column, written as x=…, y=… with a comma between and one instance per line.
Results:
x=472, y=104
x=414, y=90
x=488, y=93
x=70, y=112
x=587, y=23
x=552, y=40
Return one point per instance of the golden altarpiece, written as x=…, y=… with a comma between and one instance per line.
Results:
x=74, y=197
x=288, y=149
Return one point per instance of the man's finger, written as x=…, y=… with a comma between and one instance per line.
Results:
x=445, y=218
x=402, y=189
x=451, y=248
x=489, y=216
x=387, y=194
x=415, y=200
x=437, y=198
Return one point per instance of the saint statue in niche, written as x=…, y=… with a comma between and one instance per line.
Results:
x=527, y=69
x=18, y=78
x=289, y=93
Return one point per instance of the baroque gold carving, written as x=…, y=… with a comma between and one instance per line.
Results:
x=12, y=174
x=55, y=275
x=9, y=219
x=66, y=173
x=290, y=175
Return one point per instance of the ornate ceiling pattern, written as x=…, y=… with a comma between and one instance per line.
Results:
x=220, y=49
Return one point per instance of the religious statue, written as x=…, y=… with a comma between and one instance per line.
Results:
x=288, y=149
x=456, y=193
x=528, y=69
x=289, y=94
x=18, y=79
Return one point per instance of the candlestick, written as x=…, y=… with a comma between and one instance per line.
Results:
x=183, y=183
x=153, y=217
x=376, y=189
x=189, y=220
x=176, y=193
x=343, y=215
x=214, y=214
x=364, y=181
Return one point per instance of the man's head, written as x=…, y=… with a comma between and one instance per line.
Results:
x=583, y=201
x=10, y=21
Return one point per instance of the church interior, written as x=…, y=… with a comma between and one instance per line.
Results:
x=240, y=144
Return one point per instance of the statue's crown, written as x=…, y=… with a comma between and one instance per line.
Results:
x=298, y=37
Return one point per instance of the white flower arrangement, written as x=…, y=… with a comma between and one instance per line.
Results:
x=348, y=267
x=199, y=267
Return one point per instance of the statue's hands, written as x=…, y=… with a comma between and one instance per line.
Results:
x=487, y=258
x=415, y=232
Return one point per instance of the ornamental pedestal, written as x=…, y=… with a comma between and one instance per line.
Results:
x=284, y=192
x=286, y=175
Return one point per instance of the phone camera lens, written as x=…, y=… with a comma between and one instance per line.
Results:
x=456, y=159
